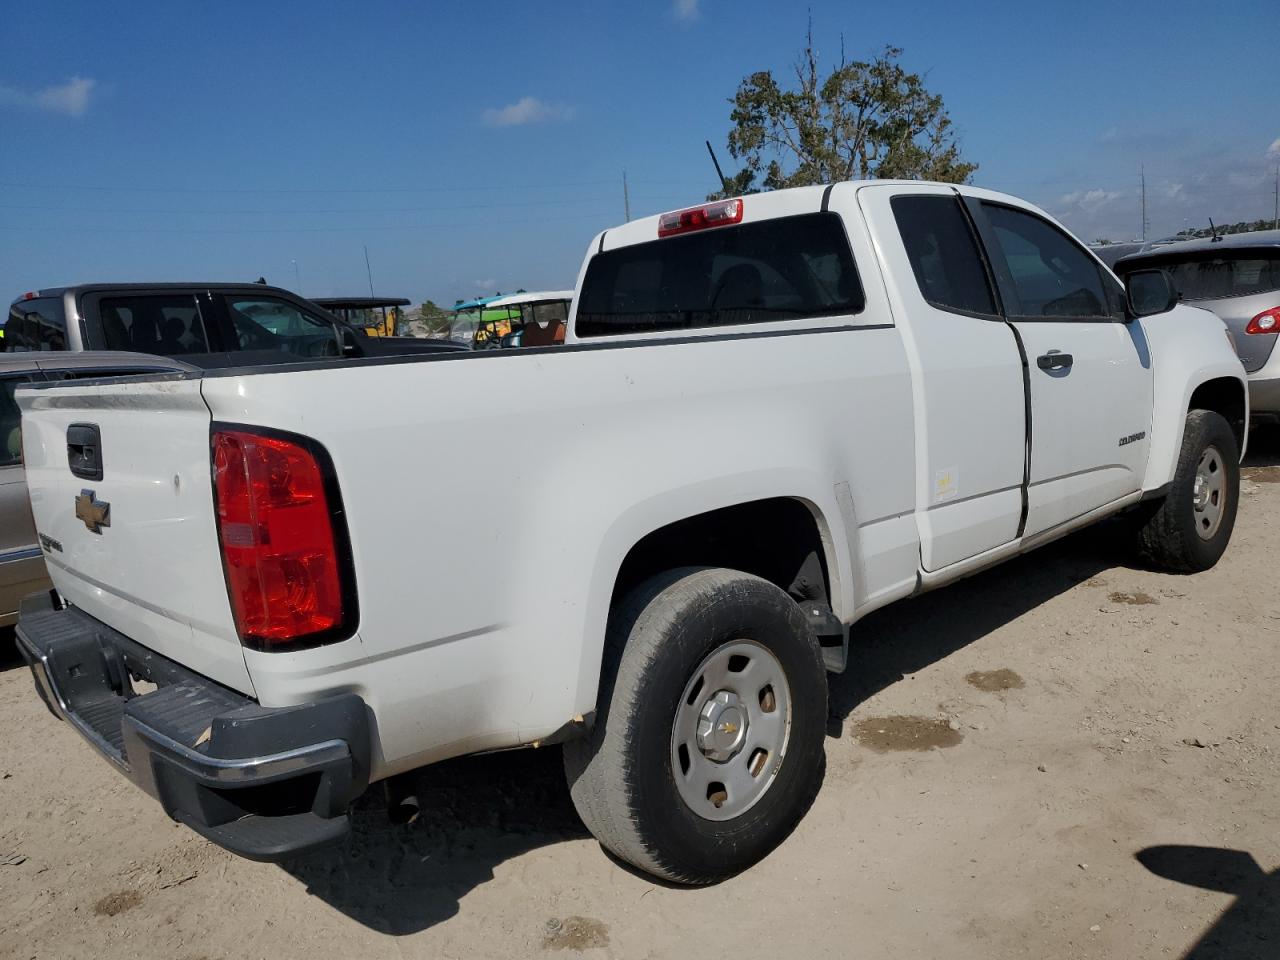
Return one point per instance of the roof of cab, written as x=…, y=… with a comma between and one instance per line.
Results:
x=778, y=203
x=79, y=288
x=90, y=359
x=535, y=297
x=360, y=303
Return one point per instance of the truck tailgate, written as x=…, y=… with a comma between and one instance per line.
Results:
x=138, y=547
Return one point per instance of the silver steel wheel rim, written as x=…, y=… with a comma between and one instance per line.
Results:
x=1209, y=495
x=731, y=729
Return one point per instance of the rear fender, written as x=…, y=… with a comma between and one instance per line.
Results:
x=648, y=516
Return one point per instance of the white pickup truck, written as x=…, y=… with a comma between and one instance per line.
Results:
x=770, y=416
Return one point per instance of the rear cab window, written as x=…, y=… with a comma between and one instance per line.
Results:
x=780, y=269
x=38, y=324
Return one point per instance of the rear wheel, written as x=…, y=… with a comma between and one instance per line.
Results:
x=1190, y=528
x=708, y=745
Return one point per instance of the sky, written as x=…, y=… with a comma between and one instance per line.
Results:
x=476, y=147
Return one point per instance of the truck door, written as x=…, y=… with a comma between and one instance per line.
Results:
x=967, y=376
x=1089, y=371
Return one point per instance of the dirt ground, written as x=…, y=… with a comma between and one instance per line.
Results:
x=1064, y=757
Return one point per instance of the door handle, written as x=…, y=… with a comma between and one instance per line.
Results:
x=1053, y=360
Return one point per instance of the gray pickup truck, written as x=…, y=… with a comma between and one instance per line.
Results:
x=210, y=325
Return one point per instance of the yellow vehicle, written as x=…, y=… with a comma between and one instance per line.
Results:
x=376, y=316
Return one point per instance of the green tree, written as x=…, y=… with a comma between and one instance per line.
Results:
x=865, y=119
x=434, y=317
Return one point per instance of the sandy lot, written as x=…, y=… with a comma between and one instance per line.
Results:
x=1065, y=757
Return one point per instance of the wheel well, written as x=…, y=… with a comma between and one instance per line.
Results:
x=777, y=540
x=1224, y=396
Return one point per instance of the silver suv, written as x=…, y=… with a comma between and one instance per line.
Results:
x=21, y=560
x=1237, y=276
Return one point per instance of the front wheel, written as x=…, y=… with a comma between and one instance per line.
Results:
x=708, y=744
x=1190, y=528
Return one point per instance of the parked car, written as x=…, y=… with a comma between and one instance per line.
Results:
x=22, y=569
x=1237, y=276
x=207, y=324
x=770, y=416
x=1109, y=253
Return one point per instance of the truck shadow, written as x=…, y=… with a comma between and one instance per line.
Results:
x=9, y=655
x=477, y=813
x=1249, y=927
x=480, y=812
x=1264, y=447
x=904, y=638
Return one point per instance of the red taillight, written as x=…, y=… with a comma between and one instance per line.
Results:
x=277, y=529
x=29, y=295
x=719, y=214
x=1268, y=321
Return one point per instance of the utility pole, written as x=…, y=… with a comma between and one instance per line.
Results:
x=368, y=269
x=626, y=198
x=1142, y=176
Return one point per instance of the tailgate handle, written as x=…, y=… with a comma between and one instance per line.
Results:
x=84, y=450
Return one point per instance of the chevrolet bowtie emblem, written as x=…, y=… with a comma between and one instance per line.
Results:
x=93, y=512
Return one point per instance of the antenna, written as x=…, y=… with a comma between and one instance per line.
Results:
x=1142, y=176
x=1213, y=230
x=724, y=184
x=626, y=198
x=368, y=269
x=1275, y=224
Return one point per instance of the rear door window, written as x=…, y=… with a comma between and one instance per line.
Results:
x=944, y=254
x=790, y=268
x=266, y=323
x=169, y=325
x=37, y=324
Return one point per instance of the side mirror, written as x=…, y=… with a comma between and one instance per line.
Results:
x=1149, y=292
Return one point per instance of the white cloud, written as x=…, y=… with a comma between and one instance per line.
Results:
x=1090, y=200
x=685, y=9
x=527, y=110
x=1273, y=151
x=485, y=284
x=71, y=98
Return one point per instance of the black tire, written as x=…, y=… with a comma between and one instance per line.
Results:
x=622, y=777
x=1169, y=538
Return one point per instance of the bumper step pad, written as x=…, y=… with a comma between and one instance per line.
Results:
x=265, y=783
